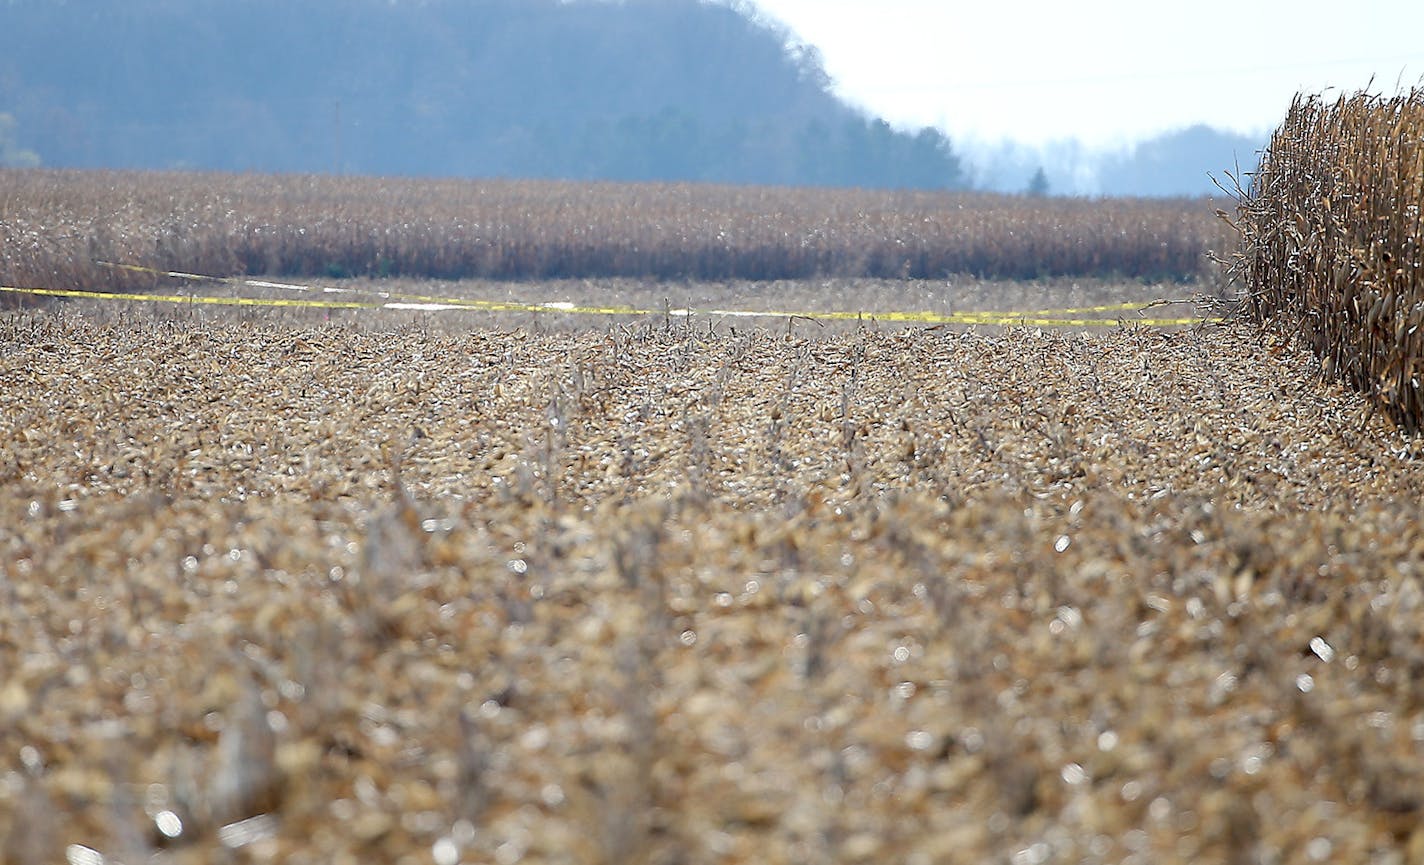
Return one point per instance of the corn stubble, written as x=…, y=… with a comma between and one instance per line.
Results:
x=653, y=594
x=1331, y=232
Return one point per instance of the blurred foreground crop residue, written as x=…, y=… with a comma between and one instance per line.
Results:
x=661, y=592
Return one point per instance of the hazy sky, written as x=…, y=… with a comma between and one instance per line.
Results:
x=1102, y=71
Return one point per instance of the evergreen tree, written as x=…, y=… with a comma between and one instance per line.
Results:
x=1038, y=184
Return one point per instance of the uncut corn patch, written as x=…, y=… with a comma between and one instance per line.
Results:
x=1331, y=230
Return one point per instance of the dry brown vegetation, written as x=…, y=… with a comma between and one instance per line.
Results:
x=55, y=224
x=1332, y=234
x=649, y=593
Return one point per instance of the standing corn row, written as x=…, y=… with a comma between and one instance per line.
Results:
x=53, y=224
x=1331, y=231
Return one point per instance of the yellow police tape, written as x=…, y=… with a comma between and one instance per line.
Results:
x=185, y=298
x=1059, y=317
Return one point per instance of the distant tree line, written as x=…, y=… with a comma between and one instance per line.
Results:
x=636, y=90
x=1183, y=159
x=1189, y=161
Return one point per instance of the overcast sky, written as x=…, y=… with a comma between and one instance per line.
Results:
x=1102, y=71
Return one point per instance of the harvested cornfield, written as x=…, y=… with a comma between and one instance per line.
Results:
x=56, y=225
x=657, y=594
x=1331, y=234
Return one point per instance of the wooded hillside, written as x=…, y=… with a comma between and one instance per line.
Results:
x=637, y=90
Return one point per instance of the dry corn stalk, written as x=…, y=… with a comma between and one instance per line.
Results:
x=1330, y=231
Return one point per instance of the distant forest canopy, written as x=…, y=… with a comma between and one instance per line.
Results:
x=631, y=90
